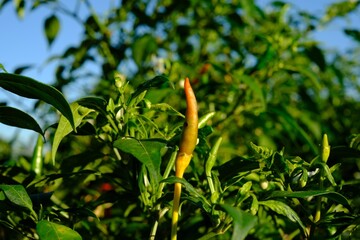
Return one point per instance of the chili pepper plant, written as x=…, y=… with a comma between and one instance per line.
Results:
x=116, y=180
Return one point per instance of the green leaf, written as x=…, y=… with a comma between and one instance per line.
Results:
x=49, y=230
x=316, y=55
x=2, y=68
x=20, y=8
x=95, y=103
x=283, y=209
x=146, y=151
x=164, y=107
x=29, y=88
x=264, y=152
x=51, y=28
x=155, y=82
x=326, y=170
x=17, y=195
x=337, y=197
x=355, y=34
x=243, y=221
x=16, y=118
x=64, y=127
x=192, y=191
x=142, y=48
x=231, y=170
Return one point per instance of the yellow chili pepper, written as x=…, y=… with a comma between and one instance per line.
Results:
x=186, y=148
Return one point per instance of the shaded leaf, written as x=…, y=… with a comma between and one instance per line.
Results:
x=29, y=88
x=243, y=222
x=353, y=33
x=64, y=127
x=283, y=209
x=51, y=28
x=49, y=230
x=16, y=118
x=146, y=151
x=337, y=197
x=232, y=168
x=21, y=69
x=95, y=103
x=316, y=55
x=41, y=199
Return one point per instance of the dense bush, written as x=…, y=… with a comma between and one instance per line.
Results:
x=270, y=98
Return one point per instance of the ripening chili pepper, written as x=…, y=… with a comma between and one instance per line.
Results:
x=186, y=148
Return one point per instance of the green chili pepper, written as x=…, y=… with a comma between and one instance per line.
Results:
x=186, y=148
x=37, y=159
x=325, y=149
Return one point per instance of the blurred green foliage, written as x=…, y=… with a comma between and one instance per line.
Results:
x=262, y=73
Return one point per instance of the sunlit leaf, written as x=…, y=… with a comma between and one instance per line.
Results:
x=164, y=107
x=146, y=151
x=283, y=209
x=49, y=230
x=17, y=195
x=64, y=127
x=16, y=118
x=243, y=222
x=29, y=88
x=337, y=197
x=51, y=28
x=20, y=8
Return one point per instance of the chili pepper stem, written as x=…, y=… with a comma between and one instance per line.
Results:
x=175, y=213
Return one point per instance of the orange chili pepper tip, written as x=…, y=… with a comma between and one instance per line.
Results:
x=190, y=131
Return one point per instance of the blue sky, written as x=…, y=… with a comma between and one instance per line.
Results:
x=23, y=42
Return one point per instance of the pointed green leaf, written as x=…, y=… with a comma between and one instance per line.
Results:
x=95, y=103
x=51, y=28
x=16, y=118
x=155, y=82
x=283, y=209
x=2, y=68
x=327, y=173
x=64, y=127
x=29, y=88
x=146, y=151
x=49, y=230
x=188, y=187
x=337, y=197
x=17, y=195
x=20, y=7
x=164, y=107
x=243, y=222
